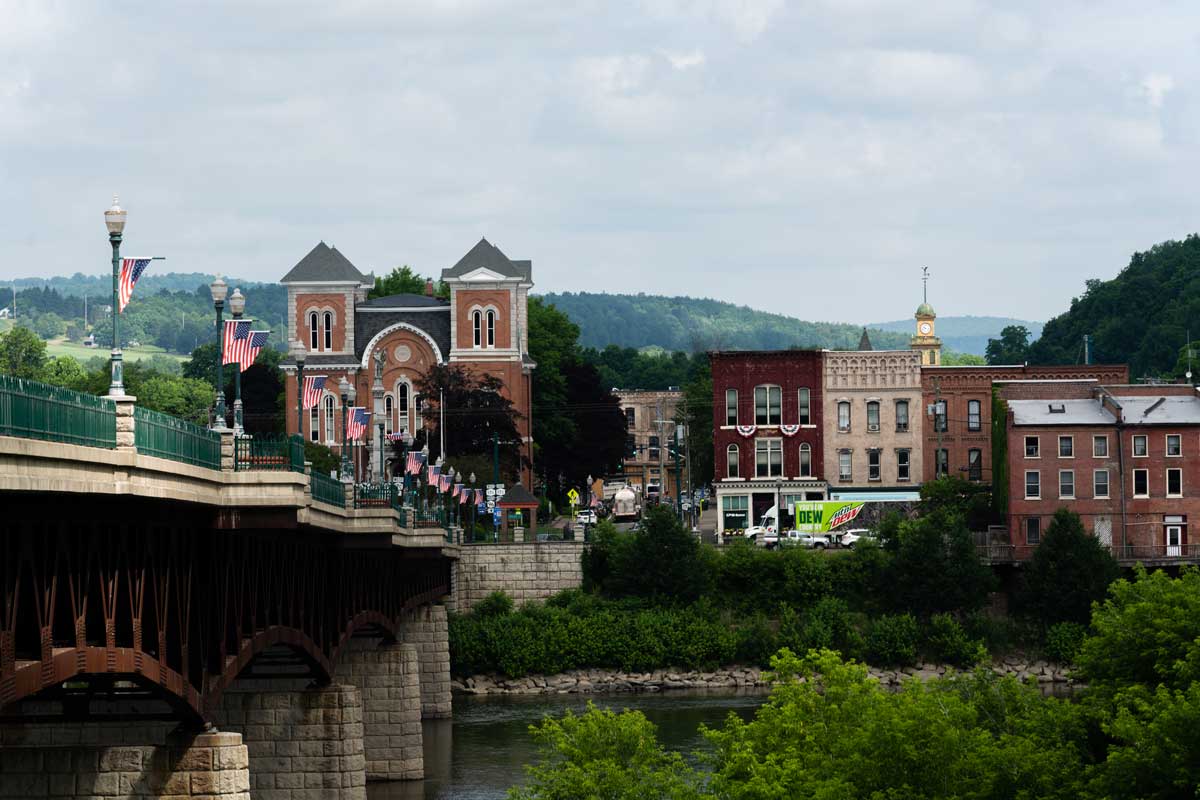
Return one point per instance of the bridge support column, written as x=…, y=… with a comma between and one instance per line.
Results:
x=388, y=678
x=210, y=765
x=126, y=435
x=302, y=742
x=426, y=628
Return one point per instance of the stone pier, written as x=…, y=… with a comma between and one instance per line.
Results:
x=426, y=628
x=388, y=678
x=303, y=741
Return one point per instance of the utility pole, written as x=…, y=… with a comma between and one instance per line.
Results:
x=1087, y=349
x=937, y=426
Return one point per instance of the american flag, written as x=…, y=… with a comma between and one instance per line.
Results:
x=131, y=270
x=237, y=340
x=313, y=385
x=396, y=437
x=444, y=483
x=413, y=465
x=357, y=422
x=458, y=487
x=434, y=471
x=258, y=340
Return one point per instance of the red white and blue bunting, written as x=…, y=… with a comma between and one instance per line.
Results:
x=747, y=430
x=789, y=430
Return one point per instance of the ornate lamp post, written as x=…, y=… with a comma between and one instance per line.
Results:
x=473, y=506
x=237, y=304
x=424, y=469
x=377, y=391
x=346, y=389
x=114, y=219
x=219, y=289
x=298, y=352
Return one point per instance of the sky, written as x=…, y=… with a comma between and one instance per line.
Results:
x=806, y=158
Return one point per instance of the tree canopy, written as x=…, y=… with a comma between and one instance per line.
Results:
x=1011, y=348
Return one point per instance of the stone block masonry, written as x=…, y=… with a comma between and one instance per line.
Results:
x=528, y=571
x=208, y=765
x=388, y=678
x=426, y=629
x=303, y=743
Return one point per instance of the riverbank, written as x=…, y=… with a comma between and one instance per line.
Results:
x=591, y=681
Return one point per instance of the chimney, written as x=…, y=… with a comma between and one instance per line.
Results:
x=429, y=287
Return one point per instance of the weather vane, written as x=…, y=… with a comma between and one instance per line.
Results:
x=925, y=284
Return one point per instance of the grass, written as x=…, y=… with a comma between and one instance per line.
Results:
x=61, y=347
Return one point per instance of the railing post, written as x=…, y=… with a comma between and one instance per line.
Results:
x=126, y=430
x=348, y=488
x=308, y=484
x=228, y=459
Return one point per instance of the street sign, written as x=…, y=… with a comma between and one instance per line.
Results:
x=491, y=504
x=573, y=496
x=496, y=516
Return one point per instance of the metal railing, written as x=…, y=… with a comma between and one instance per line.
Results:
x=267, y=452
x=327, y=490
x=1157, y=552
x=33, y=410
x=375, y=495
x=163, y=436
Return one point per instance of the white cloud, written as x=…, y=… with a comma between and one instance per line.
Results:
x=684, y=61
x=1156, y=87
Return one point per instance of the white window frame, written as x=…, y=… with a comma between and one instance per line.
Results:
x=978, y=406
x=389, y=413
x=314, y=423
x=1061, y=474
x=733, y=461
x=902, y=428
x=1037, y=446
x=1100, y=437
x=849, y=411
x=805, y=468
x=1145, y=446
x=979, y=451
x=766, y=420
x=873, y=428
x=904, y=461
x=1146, y=473
x=330, y=420
x=1169, y=492
x=1071, y=442
x=327, y=334
x=845, y=459
x=314, y=332
x=769, y=446
x=490, y=319
x=1167, y=445
x=941, y=416
x=804, y=406
x=875, y=471
x=1037, y=474
x=476, y=329
x=731, y=394
x=1096, y=484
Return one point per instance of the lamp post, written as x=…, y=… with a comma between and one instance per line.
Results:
x=237, y=304
x=424, y=469
x=298, y=352
x=347, y=392
x=377, y=391
x=219, y=289
x=473, y=506
x=114, y=220
x=450, y=491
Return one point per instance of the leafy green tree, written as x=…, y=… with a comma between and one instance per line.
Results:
x=1011, y=348
x=661, y=560
x=186, y=398
x=22, y=353
x=934, y=566
x=49, y=325
x=405, y=280
x=696, y=412
x=1068, y=572
x=65, y=371
x=475, y=410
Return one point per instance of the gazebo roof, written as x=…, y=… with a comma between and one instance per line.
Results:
x=518, y=497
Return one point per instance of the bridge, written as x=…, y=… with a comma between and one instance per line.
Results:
x=184, y=612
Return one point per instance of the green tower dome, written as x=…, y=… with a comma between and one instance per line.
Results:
x=925, y=310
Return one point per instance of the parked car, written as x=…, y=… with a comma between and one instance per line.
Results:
x=850, y=537
x=815, y=541
x=586, y=516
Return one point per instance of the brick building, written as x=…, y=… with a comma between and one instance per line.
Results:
x=649, y=428
x=1125, y=458
x=873, y=419
x=767, y=432
x=482, y=326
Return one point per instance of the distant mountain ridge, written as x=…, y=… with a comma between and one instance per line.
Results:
x=966, y=334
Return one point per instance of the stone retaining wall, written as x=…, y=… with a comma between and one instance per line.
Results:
x=527, y=571
x=586, y=681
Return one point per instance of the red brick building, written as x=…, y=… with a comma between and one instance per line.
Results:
x=957, y=402
x=1125, y=458
x=767, y=433
x=483, y=326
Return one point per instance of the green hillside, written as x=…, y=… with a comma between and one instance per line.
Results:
x=693, y=324
x=1142, y=316
x=966, y=334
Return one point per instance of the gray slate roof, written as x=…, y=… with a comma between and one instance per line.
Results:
x=434, y=323
x=1173, y=410
x=1078, y=412
x=487, y=256
x=404, y=301
x=325, y=263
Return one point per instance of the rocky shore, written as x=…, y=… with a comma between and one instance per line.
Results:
x=588, y=681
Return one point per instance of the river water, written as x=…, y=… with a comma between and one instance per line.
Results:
x=482, y=750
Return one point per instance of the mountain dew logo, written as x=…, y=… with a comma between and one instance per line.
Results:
x=826, y=515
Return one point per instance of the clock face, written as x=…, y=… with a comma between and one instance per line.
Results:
x=925, y=328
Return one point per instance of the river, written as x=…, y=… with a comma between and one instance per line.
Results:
x=482, y=750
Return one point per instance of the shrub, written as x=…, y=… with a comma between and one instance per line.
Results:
x=1069, y=571
x=947, y=642
x=494, y=605
x=756, y=641
x=1064, y=640
x=892, y=640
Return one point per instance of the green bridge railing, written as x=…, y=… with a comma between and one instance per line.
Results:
x=267, y=452
x=33, y=410
x=327, y=490
x=164, y=436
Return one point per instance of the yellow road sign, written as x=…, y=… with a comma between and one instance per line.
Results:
x=573, y=496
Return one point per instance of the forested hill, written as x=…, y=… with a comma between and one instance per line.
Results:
x=692, y=324
x=1142, y=316
x=966, y=334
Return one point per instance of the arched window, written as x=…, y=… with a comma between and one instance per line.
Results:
x=805, y=461
x=314, y=424
x=387, y=411
x=477, y=327
x=402, y=394
x=491, y=328
x=313, y=340
x=330, y=433
x=731, y=461
x=328, y=331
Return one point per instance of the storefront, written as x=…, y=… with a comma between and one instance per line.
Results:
x=741, y=503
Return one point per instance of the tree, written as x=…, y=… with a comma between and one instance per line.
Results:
x=696, y=412
x=934, y=566
x=662, y=560
x=186, y=398
x=22, y=353
x=65, y=371
x=1069, y=571
x=405, y=280
x=475, y=410
x=1011, y=348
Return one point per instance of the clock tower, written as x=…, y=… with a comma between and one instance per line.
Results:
x=924, y=342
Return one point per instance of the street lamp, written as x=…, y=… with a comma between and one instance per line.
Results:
x=449, y=505
x=219, y=289
x=346, y=389
x=473, y=506
x=237, y=304
x=298, y=351
x=377, y=391
x=114, y=219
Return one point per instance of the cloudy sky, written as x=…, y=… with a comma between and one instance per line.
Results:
x=806, y=157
